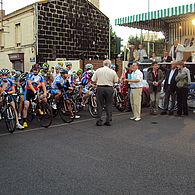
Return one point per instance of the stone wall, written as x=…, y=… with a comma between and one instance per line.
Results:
x=67, y=28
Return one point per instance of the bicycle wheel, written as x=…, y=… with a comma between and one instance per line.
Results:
x=44, y=114
x=66, y=115
x=120, y=102
x=10, y=118
x=92, y=106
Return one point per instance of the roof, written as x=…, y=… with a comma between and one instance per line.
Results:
x=157, y=20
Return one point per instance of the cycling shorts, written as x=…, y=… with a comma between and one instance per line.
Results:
x=28, y=95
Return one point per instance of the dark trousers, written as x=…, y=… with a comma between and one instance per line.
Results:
x=182, y=106
x=169, y=94
x=104, y=96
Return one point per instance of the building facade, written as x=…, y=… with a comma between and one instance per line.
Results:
x=48, y=30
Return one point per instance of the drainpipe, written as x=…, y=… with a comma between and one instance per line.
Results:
x=36, y=31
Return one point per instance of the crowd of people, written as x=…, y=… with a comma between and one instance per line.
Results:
x=60, y=79
x=28, y=85
x=176, y=53
x=174, y=82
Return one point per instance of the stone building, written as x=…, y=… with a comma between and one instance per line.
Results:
x=49, y=29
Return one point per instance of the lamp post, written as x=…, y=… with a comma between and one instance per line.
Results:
x=148, y=30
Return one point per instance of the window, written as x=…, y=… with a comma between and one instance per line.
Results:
x=18, y=35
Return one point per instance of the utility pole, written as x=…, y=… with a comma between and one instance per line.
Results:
x=148, y=30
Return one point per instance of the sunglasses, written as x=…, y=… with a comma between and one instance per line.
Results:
x=4, y=74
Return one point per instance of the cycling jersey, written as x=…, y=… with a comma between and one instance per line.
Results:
x=9, y=84
x=36, y=79
x=46, y=75
x=60, y=80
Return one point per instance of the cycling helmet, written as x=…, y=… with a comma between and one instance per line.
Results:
x=80, y=70
x=63, y=71
x=61, y=64
x=89, y=66
x=18, y=73
x=45, y=66
x=57, y=66
x=68, y=63
x=23, y=76
x=35, y=66
x=112, y=66
x=12, y=70
x=5, y=71
x=90, y=73
x=74, y=75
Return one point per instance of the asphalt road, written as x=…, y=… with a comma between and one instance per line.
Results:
x=153, y=156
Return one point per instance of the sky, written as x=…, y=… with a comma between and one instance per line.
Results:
x=114, y=9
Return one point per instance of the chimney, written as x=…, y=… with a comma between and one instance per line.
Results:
x=96, y=3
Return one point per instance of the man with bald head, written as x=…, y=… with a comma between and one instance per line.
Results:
x=176, y=51
x=104, y=77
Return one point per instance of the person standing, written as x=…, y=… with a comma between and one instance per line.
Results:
x=154, y=78
x=182, y=89
x=105, y=78
x=136, y=84
x=166, y=57
x=133, y=53
x=170, y=89
x=176, y=51
x=141, y=53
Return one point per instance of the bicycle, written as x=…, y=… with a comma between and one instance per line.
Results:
x=66, y=107
x=92, y=103
x=118, y=99
x=8, y=113
x=41, y=110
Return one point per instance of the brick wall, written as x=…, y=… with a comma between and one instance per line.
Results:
x=99, y=63
x=67, y=28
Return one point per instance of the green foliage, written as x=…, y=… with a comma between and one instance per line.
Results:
x=159, y=45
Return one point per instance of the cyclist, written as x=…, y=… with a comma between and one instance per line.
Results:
x=22, y=84
x=34, y=81
x=87, y=67
x=8, y=88
x=57, y=73
x=61, y=83
x=86, y=83
x=79, y=74
x=46, y=74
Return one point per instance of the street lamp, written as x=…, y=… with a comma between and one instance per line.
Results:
x=193, y=22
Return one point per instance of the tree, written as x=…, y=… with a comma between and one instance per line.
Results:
x=115, y=43
x=157, y=46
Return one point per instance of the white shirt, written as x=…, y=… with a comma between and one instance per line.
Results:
x=105, y=76
x=170, y=76
x=137, y=75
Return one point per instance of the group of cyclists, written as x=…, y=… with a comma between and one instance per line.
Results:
x=36, y=84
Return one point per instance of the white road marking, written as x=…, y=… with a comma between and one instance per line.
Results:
x=58, y=125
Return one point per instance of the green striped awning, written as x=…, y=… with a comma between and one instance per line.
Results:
x=159, y=14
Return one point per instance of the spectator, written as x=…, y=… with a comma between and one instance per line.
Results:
x=105, y=78
x=182, y=89
x=170, y=89
x=141, y=53
x=177, y=51
x=154, y=78
x=136, y=91
x=133, y=53
x=166, y=57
